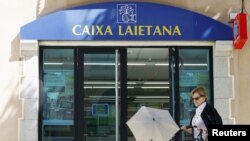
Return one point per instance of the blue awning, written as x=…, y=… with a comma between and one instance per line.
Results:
x=126, y=21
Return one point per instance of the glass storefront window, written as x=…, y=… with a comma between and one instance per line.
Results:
x=148, y=80
x=99, y=96
x=194, y=70
x=88, y=111
x=58, y=95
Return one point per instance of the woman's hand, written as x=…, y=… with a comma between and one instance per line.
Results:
x=184, y=127
x=188, y=130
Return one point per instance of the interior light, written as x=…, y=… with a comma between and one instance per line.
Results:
x=101, y=96
x=194, y=64
x=129, y=87
x=129, y=64
x=46, y=63
x=104, y=82
x=131, y=83
x=162, y=97
x=155, y=83
x=103, y=87
x=162, y=64
x=99, y=64
x=154, y=101
x=112, y=64
x=136, y=64
x=155, y=87
x=98, y=82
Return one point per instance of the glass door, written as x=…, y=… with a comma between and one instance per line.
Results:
x=147, y=80
x=194, y=70
x=100, y=103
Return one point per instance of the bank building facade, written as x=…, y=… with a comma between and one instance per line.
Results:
x=86, y=69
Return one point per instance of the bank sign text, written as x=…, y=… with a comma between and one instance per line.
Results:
x=126, y=30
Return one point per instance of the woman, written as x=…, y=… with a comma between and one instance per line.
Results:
x=204, y=115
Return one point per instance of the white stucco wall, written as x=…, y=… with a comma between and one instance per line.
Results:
x=223, y=80
x=13, y=14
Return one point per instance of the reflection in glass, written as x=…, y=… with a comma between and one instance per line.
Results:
x=193, y=71
x=148, y=80
x=99, y=97
x=58, y=96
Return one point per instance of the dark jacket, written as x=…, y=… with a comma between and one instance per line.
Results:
x=210, y=116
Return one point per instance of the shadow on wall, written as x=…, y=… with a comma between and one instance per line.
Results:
x=10, y=111
x=11, y=105
x=45, y=7
x=15, y=49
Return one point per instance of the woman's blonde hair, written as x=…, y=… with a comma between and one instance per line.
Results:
x=200, y=90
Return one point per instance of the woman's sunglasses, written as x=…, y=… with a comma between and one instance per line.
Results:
x=196, y=98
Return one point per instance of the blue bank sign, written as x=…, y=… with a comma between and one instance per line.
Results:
x=126, y=21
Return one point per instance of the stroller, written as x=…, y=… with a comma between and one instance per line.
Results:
x=199, y=137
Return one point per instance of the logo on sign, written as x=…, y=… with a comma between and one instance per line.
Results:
x=126, y=13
